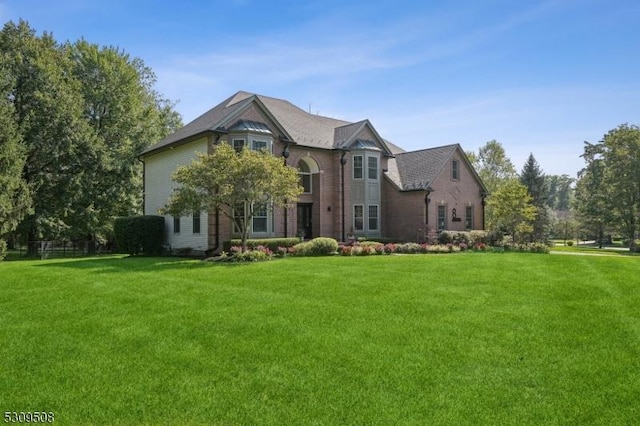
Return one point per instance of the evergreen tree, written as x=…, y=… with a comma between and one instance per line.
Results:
x=534, y=180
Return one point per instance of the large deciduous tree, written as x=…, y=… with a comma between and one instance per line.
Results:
x=48, y=115
x=561, y=191
x=82, y=113
x=125, y=114
x=592, y=199
x=617, y=158
x=15, y=198
x=228, y=180
x=495, y=169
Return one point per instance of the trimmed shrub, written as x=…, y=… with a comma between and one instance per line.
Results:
x=320, y=246
x=408, y=248
x=139, y=234
x=454, y=237
x=323, y=246
x=570, y=243
x=271, y=243
x=479, y=237
x=379, y=240
x=373, y=244
x=3, y=249
x=302, y=249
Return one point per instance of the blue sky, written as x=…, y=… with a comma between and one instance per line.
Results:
x=540, y=77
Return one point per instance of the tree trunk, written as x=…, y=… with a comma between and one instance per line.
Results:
x=32, y=244
x=91, y=245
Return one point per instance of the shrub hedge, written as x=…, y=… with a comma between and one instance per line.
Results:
x=139, y=234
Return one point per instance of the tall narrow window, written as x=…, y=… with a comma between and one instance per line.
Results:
x=260, y=218
x=238, y=144
x=357, y=166
x=176, y=225
x=196, y=221
x=358, y=217
x=372, y=163
x=455, y=170
x=305, y=177
x=442, y=218
x=468, y=217
x=238, y=217
x=373, y=218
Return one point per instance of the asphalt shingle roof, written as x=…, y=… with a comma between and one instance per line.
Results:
x=409, y=171
x=416, y=170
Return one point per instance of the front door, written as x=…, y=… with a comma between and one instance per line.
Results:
x=304, y=220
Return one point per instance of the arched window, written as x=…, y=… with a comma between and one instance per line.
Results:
x=305, y=176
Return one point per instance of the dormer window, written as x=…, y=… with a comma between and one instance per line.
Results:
x=238, y=144
x=260, y=145
x=251, y=135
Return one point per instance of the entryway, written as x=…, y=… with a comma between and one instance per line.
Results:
x=304, y=220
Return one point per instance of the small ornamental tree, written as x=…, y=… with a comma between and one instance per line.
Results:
x=513, y=209
x=229, y=180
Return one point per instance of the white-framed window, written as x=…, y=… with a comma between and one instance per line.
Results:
x=357, y=167
x=358, y=217
x=176, y=224
x=260, y=145
x=305, y=177
x=442, y=217
x=260, y=219
x=196, y=221
x=238, y=144
x=468, y=217
x=372, y=166
x=455, y=170
x=373, y=217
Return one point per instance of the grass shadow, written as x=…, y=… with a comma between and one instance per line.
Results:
x=121, y=263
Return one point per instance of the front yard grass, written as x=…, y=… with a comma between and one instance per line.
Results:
x=471, y=338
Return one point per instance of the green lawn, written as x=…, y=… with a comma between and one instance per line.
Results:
x=470, y=338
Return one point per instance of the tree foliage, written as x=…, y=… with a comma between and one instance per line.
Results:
x=48, y=116
x=608, y=189
x=561, y=191
x=15, y=197
x=495, y=169
x=534, y=180
x=81, y=114
x=226, y=180
x=513, y=209
x=125, y=114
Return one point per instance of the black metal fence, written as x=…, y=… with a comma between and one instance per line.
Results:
x=55, y=249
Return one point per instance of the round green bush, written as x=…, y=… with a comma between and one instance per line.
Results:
x=323, y=246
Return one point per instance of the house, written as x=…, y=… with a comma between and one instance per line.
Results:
x=355, y=181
